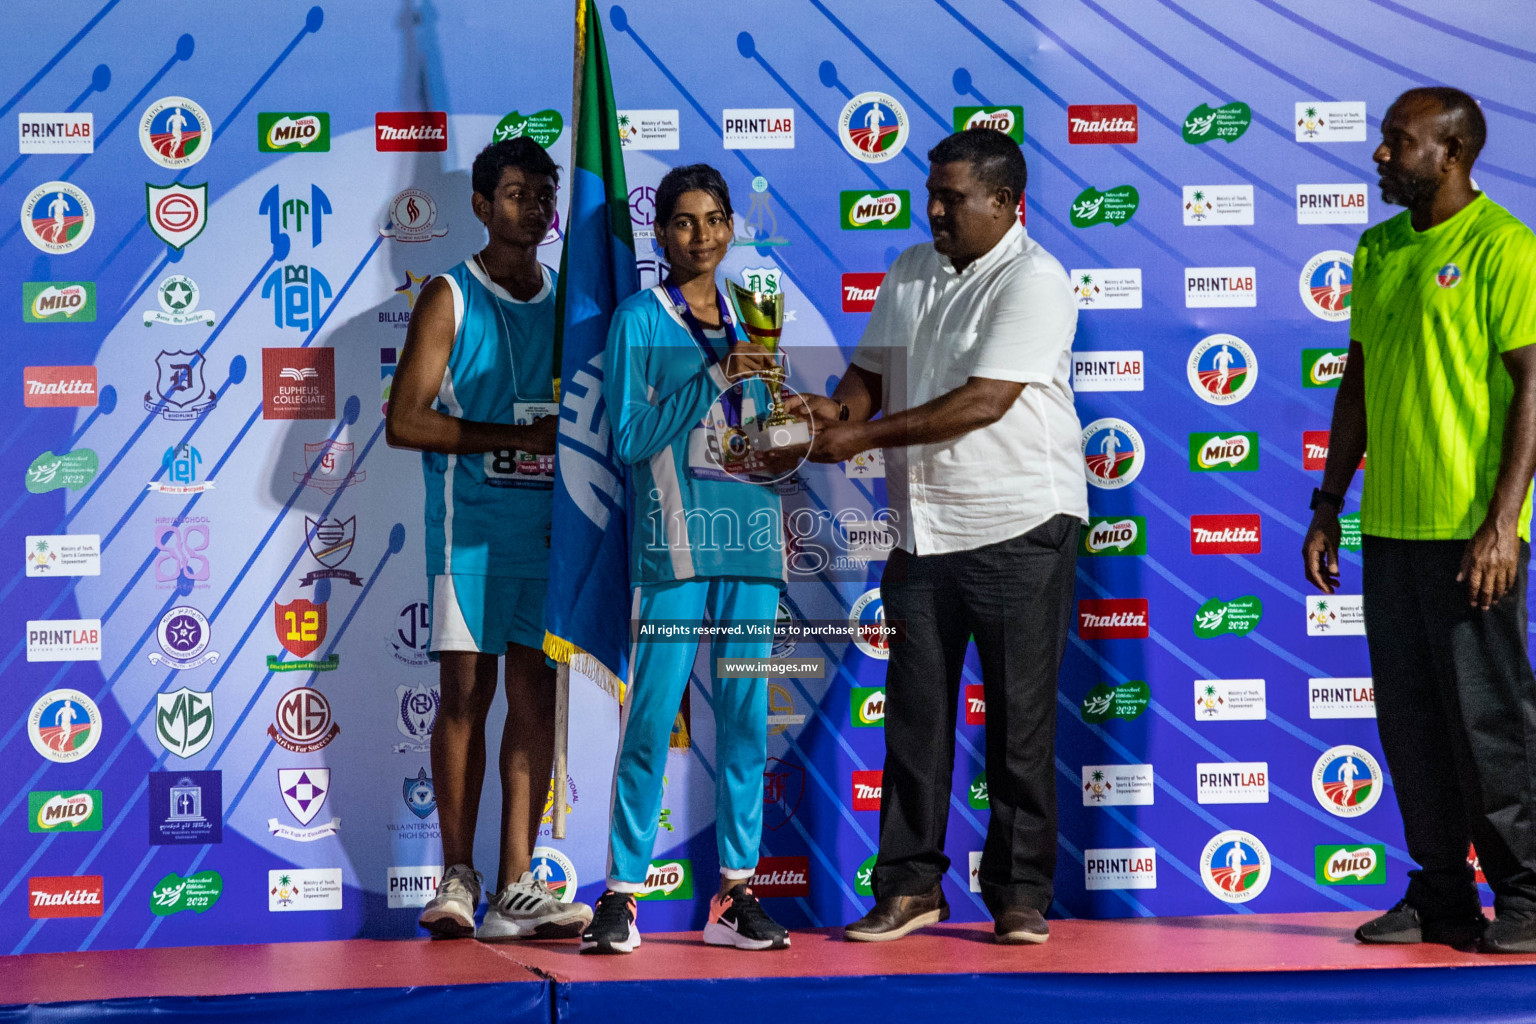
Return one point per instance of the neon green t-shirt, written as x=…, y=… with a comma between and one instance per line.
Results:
x=1433, y=311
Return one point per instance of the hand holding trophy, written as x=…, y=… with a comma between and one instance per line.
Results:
x=761, y=316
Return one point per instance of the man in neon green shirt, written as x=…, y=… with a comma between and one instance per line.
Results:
x=1441, y=378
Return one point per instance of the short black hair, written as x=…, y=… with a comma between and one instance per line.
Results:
x=995, y=158
x=689, y=178
x=521, y=152
x=1464, y=118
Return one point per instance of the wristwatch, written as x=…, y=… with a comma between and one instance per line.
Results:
x=1322, y=497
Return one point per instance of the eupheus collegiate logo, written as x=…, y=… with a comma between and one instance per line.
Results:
x=867, y=619
x=412, y=217
x=410, y=131
x=1112, y=452
x=177, y=213
x=1220, y=287
x=1107, y=371
x=1330, y=122
x=302, y=722
x=71, y=810
x=1224, y=452
x=1115, y=206
x=184, y=634
x=1234, y=866
x=868, y=706
x=1224, y=535
x=860, y=291
x=58, y=302
x=875, y=210
x=782, y=876
x=1227, y=123
x=1101, y=122
x=178, y=296
x=866, y=787
x=1332, y=204
x=184, y=721
x=1005, y=119
x=64, y=896
x=751, y=128
x=175, y=132
x=1365, y=864
x=1323, y=367
x=64, y=725
x=1114, y=535
x=293, y=133
x=1113, y=618
x=56, y=133
x=1448, y=276
x=873, y=127
x=1347, y=781
x=1222, y=369
x=668, y=880
x=1107, y=288
x=57, y=217
x=64, y=640
x=1133, y=867
x=50, y=386
x=1326, y=282
x=298, y=383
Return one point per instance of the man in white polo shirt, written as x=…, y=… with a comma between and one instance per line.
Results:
x=967, y=357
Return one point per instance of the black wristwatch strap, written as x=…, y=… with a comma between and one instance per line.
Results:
x=842, y=413
x=1322, y=497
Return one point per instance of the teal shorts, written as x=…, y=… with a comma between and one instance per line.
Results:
x=485, y=614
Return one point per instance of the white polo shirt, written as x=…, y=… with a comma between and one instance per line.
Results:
x=1009, y=316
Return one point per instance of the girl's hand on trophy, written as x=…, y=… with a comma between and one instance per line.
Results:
x=747, y=359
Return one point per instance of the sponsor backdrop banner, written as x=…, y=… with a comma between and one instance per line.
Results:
x=218, y=701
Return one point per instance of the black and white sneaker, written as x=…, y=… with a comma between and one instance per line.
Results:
x=613, y=925
x=737, y=919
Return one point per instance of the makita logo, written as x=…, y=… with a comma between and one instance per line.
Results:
x=1101, y=123
x=64, y=896
x=1314, y=450
x=48, y=386
x=866, y=790
x=782, y=876
x=1224, y=535
x=408, y=131
x=1113, y=618
x=975, y=705
x=860, y=291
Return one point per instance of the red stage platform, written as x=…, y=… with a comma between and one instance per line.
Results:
x=1265, y=967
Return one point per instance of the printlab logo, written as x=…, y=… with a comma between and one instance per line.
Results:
x=298, y=383
x=330, y=543
x=1227, y=123
x=302, y=722
x=1089, y=123
x=64, y=640
x=47, y=387
x=1114, y=535
x=289, y=215
x=1107, y=288
x=58, y=302
x=328, y=466
x=184, y=721
x=184, y=634
x=196, y=892
x=1217, y=617
x=1332, y=204
x=415, y=715
x=419, y=795
x=1326, y=282
x=57, y=217
x=863, y=211
x=177, y=213
x=1330, y=122
x=412, y=634
x=1005, y=119
x=180, y=393
x=1341, y=698
x=301, y=627
x=873, y=127
x=1231, y=700
x=178, y=296
x=749, y=128
x=64, y=896
x=1347, y=781
x=1113, y=453
x=413, y=217
x=72, y=471
x=1237, y=534
x=1220, y=287
x=304, y=791
x=416, y=885
x=1116, y=206
x=867, y=619
x=179, y=464
x=1222, y=369
x=1234, y=866
x=293, y=132
x=543, y=127
x=70, y=810
x=1107, y=371
x=64, y=725
x=1132, y=867
x=1234, y=782
x=1224, y=453
x=186, y=808
x=181, y=542
x=1127, y=700
x=296, y=291
x=1323, y=367
x=649, y=129
x=411, y=131
x=56, y=133
x=175, y=132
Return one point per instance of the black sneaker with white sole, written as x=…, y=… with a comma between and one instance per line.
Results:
x=613, y=925
x=737, y=919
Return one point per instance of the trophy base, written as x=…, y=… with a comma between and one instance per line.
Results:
x=773, y=436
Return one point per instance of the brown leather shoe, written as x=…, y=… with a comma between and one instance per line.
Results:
x=896, y=916
x=1016, y=926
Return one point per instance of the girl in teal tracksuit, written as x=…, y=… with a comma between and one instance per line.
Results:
x=706, y=543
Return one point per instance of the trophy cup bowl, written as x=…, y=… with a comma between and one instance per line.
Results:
x=761, y=316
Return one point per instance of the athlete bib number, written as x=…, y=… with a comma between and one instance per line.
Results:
x=511, y=467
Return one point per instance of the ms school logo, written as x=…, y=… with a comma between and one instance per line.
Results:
x=302, y=722
x=1346, y=781
x=184, y=721
x=1326, y=282
x=1222, y=369
x=1234, y=866
x=873, y=127
x=1113, y=453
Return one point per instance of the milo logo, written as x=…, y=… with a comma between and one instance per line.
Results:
x=868, y=706
x=863, y=211
x=668, y=880
x=1112, y=535
x=308, y=133
x=1127, y=701
x=1005, y=119
x=1322, y=367
x=1223, y=452
x=1116, y=206
x=1352, y=865
x=68, y=811
x=1227, y=123
x=58, y=302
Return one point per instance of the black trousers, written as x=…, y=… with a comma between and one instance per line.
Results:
x=1015, y=598
x=1456, y=708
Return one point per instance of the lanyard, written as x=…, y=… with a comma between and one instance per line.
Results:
x=731, y=400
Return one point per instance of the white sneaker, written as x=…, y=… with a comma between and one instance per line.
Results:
x=526, y=909
x=451, y=913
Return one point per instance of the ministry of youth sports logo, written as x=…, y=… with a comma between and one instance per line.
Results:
x=1346, y=781
x=873, y=127
x=57, y=217
x=1234, y=866
x=1326, y=282
x=1222, y=369
x=175, y=132
x=1113, y=453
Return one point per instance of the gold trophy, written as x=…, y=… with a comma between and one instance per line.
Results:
x=761, y=315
